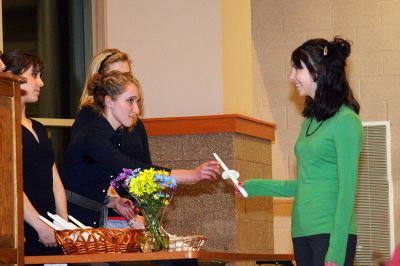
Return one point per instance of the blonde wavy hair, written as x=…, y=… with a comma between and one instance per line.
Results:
x=110, y=84
x=100, y=65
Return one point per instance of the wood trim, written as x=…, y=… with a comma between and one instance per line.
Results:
x=12, y=77
x=231, y=123
x=210, y=124
x=12, y=235
x=6, y=81
x=55, y=122
x=8, y=256
x=18, y=180
x=163, y=255
x=277, y=201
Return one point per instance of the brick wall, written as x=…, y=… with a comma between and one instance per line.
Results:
x=374, y=71
x=211, y=208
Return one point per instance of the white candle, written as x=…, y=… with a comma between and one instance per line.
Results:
x=81, y=225
x=220, y=161
x=49, y=223
x=231, y=176
x=61, y=221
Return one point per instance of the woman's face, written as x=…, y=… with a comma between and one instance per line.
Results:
x=121, y=66
x=30, y=90
x=303, y=81
x=124, y=108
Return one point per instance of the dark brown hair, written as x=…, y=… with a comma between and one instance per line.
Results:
x=326, y=62
x=20, y=61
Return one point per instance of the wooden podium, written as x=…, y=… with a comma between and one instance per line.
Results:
x=11, y=201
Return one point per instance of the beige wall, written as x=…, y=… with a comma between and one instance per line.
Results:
x=176, y=49
x=278, y=28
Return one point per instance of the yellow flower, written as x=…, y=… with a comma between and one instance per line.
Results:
x=151, y=187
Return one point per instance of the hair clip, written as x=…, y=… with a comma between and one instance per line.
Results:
x=325, y=50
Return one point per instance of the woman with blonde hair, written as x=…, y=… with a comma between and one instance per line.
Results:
x=134, y=141
x=92, y=157
x=103, y=62
x=130, y=141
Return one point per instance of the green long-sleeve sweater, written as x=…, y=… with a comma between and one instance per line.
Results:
x=324, y=192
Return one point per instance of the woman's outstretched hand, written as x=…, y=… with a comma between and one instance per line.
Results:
x=206, y=171
x=124, y=207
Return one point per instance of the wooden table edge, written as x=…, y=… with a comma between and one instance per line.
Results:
x=162, y=255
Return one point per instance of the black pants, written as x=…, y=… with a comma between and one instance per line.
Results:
x=311, y=250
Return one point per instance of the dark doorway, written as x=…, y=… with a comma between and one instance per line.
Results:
x=59, y=32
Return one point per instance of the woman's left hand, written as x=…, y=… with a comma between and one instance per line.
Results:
x=328, y=263
x=124, y=207
x=237, y=193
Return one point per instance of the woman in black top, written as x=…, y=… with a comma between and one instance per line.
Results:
x=130, y=142
x=43, y=189
x=93, y=156
x=133, y=140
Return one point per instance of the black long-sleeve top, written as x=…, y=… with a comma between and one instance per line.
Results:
x=95, y=155
x=134, y=143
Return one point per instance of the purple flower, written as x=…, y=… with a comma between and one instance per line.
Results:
x=124, y=178
x=121, y=179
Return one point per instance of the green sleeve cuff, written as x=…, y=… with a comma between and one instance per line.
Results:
x=268, y=187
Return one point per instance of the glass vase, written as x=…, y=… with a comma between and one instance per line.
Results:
x=155, y=237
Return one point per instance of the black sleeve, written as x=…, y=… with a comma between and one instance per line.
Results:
x=104, y=152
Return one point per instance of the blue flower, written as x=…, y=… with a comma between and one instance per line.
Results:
x=168, y=182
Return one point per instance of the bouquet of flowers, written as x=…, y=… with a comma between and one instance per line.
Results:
x=152, y=190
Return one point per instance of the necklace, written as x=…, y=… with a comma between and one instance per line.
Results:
x=308, y=128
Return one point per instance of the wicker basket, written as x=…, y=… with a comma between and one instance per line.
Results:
x=186, y=243
x=98, y=240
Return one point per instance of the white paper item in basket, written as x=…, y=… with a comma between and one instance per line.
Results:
x=201, y=243
x=85, y=236
x=182, y=243
x=177, y=244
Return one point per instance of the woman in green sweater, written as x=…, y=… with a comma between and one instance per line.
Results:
x=327, y=151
